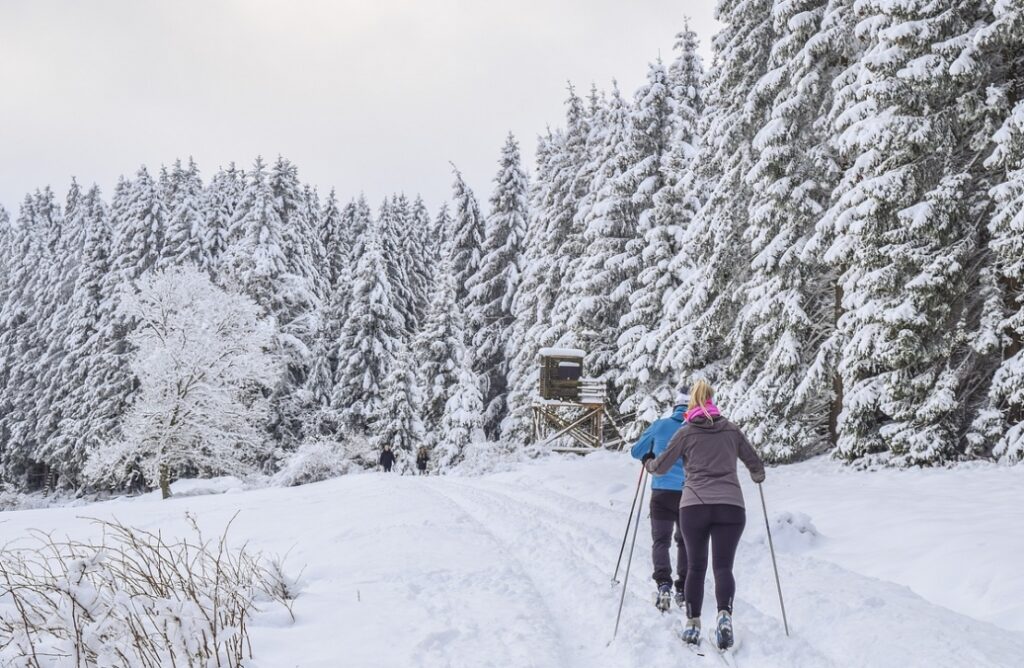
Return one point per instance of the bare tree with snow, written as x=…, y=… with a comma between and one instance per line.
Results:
x=202, y=354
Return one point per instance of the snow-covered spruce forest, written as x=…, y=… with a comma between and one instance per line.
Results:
x=828, y=223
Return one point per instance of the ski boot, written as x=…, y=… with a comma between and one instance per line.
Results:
x=691, y=632
x=663, y=600
x=723, y=634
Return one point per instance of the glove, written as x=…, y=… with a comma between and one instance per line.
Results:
x=757, y=477
x=646, y=458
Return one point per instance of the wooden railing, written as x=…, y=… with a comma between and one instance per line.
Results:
x=593, y=391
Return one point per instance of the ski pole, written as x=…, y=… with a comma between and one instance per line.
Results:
x=775, y=566
x=629, y=561
x=622, y=549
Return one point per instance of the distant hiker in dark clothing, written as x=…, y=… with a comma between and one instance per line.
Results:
x=387, y=459
x=711, y=506
x=665, y=493
x=422, y=457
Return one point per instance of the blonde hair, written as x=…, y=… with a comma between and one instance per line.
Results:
x=700, y=394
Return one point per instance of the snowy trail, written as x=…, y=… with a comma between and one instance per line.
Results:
x=572, y=564
x=558, y=539
x=513, y=570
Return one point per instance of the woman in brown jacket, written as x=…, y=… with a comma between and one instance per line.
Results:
x=711, y=507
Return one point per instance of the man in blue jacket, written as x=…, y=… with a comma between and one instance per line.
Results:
x=666, y=491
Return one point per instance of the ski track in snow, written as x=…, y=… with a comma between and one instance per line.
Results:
x=580, y=587
x=514, y=570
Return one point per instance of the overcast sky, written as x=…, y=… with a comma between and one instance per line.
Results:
x=363, y=95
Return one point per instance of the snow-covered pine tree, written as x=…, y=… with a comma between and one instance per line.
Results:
x=297, y=209
x=713, y=263
x=393, y=232
x=418, y=250
x=335, y=241
x=553, y=243
x=900, y=226
x=23, y=334
x=60, y=251
x=1007, y=243
x=780, y=375
x=310, y=212
x=6, y=234
x=527, y=313
x=676, y=204
x=255, y=260
x=592, y=315
x=320, y=418
x=138, y=245
x=183, y=199
x=567, y=301
x=438, y=348
x=356, y=219
x=15, y=321
x=562, y=233
x=6, y=257
x=140, y=242
x=399, y=423
x=644, y=389
x=370, y=339
x=492, y=289
x=7, y=265
x=8, y=244
x=82, y=370
x=107, y=389
x=65, y=256
x=467, y=236
x=439, y=231
x=261, y=263
x=462, y=424
x=223, y=194
x=999, y=427
x=200, y=352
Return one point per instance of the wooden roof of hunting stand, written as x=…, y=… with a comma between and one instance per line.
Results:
x=571, y=404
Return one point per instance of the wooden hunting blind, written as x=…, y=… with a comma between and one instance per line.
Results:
x=572, y=406
x=560, y=373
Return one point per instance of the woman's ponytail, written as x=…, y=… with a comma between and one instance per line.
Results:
x=700, y=395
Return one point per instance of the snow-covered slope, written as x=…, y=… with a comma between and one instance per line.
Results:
x=513, y=569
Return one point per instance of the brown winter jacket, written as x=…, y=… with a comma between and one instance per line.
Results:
x=709, y=449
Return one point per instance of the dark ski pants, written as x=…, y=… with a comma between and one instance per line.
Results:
x=665, y=522
x=722, y=524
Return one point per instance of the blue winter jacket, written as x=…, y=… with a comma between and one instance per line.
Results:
x=657, y=437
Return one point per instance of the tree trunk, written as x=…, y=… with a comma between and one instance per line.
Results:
x=837, y=380
x=165, y=481
x=1012, y=292
x=51, y=480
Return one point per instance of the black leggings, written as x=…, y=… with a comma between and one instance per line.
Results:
x=723, y=525
x=665, y=521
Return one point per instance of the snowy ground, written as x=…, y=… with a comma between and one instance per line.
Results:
x=917, y=568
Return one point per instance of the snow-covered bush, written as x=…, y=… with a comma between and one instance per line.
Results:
x=201, y=353
x=13, y=500
x=208, y=486
x=134, y=598
x=793, y=532
x=480, y=457
x=314, y=461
